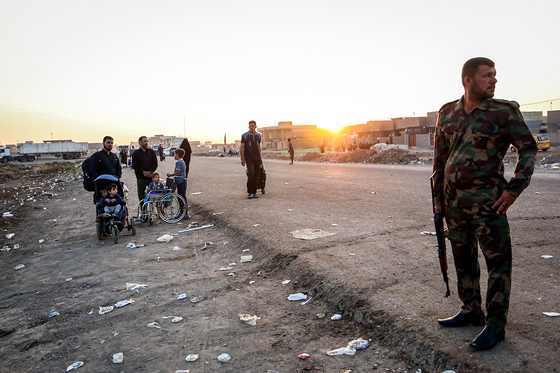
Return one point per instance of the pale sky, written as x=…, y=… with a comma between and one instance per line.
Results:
x=85, y=69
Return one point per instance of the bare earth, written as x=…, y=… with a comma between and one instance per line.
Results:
x=378, y=271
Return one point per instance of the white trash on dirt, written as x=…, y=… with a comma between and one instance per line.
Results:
x=197, y=228
x=551, y=314
x=53, y=314
x=307, y=301
x=342, y=351
x=176, y=319
x=192, y=357
x=76, y=365
x=246, y=258
x=248, y=319
x=252, y=282
x=217, y=213
x=135, y=287
x=286, y=282
x=232, y=264
x=176, y=248
x=224, y=358
x=132, y=245
x=104, y=310
x=297, y=296
x=256, y=225
x=181, y=296
x=154, y=325
x=123, y=303
x=226, y=269
x=16, y=246
x=542, y=256
x=310, y=234
x=336, y=316
x=9, y=236
x=165, y=238
x=197, y=299
x=182, y=371
x=7, y=215
x=41, y=241
x=118, y=358
x=449, y=371
x=246, y=250
x=358, y=344
x=427, y=233
x=19, y=266
x=195, y=193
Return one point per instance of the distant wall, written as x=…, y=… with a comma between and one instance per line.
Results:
x=423, y=141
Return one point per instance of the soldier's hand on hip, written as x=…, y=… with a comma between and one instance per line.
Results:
x=504, y=202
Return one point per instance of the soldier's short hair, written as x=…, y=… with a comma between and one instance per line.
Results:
x=471, y=67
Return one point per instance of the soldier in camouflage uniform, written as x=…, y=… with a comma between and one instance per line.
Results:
x=473, y=135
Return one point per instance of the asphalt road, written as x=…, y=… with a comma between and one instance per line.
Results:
x=378, y=266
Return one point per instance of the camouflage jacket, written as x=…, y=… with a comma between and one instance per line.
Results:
x=469, y=150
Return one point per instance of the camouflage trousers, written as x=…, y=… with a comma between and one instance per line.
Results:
x=468, y=226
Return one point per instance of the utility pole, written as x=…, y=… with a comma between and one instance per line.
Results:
x=184, y=125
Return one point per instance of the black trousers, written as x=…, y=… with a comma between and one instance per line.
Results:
x=254, y=169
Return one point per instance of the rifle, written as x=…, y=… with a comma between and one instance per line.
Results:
x=438, y=222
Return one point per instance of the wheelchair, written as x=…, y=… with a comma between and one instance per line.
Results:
x=163, y=203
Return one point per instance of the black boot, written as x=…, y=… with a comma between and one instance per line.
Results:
x=464, y=319
x=488, y=338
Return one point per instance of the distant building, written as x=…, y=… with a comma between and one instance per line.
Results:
x=302, y=136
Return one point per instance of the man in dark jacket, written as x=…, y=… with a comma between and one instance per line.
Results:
x=144, y=163
x=105, y=161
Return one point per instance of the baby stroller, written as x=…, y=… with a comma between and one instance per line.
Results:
x=111, y=224
x=261, y=179
x=165, y=203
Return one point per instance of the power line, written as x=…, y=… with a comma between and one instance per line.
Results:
x=541, y=102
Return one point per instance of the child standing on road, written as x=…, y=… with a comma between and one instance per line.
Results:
x=112, y=201
x=180, y=176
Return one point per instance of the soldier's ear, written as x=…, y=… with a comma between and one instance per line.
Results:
x=468, y=81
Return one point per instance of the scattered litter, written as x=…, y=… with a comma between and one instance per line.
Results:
x=181, y=296
x=9, y=236
x=246, y=258
x=165, y=238
x=53, y=314
x=19, y=266
x=226, y=242
x=256, y=225
x=231, y=274
x=224, y=358
x=182, y=371
x=206, y=244
x=132, y=245
x=217, y=213
x=197, y=228
x=449, y=371
x=176, y=248
x=336, y=316
x=154, y=325
x=547, y=256
x=334, y=225
x=290, y=210
x=246, y=250
x=297, y=296
x=176, y=319
x=195, y=193
x=135, y=287
x=427, y=233
x=90, y=312
x=225, y=269
x=351, y=254
x=342, y=351
x=251, y=282
x=123, y=303
x=310, y=234
x=76, y=365
x=320, y=315
x=192, y=357
x=303, y=355
x=118, y=358
x=7, y=215
x=248, y=319
x=307, y=301
x=16, y=246
x=539, y=193
x=197, y=299
x=286, y=282
x=358, y=344
x=390, y=216
x=41, y=241
x=104, y=310
x=551, y=314
x=232, y=264
x=373, y=192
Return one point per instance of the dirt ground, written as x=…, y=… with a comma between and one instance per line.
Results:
x=73, y=273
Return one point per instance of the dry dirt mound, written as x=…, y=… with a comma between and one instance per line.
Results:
x=391, y=156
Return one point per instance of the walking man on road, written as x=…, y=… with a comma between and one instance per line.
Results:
x=291, y=151
x=250, y=150
x=144, y=162
x=473, y=135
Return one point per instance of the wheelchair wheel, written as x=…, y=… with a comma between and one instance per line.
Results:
x=99, y=229
x=171, y=208
x=143, y=211
x=150, y=221
x=115, y=233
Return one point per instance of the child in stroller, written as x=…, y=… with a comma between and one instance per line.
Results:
x=111, y=210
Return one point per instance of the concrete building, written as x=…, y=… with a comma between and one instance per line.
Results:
x=302, y=136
